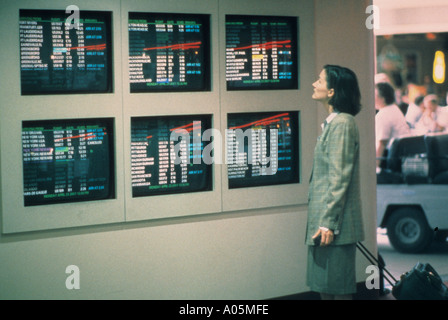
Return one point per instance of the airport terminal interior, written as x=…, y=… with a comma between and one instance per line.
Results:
x=126, y=170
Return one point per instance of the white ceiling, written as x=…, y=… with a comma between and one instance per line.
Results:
x=409, y=3
x=412, y=16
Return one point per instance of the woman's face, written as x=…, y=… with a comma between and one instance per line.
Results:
x=321, y=92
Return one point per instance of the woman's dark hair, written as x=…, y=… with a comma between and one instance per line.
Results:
x=347, y=96
x=386, y=91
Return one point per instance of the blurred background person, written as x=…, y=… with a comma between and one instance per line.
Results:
x=434, y=117
x=415, y=111
x=389, y=121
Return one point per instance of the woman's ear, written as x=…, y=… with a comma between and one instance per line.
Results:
x=330, y=93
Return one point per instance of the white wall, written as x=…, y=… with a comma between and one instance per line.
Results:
x=248, y=253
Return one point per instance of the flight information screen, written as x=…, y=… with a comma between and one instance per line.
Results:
x=61, y=57
x=167, y=155
x=261, y=52
x=67, y=160
x=169, y=52
x=262, y=148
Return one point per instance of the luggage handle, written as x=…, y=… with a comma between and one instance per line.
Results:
x=372, y=259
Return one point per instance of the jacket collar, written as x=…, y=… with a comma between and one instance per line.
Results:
x=330, y=118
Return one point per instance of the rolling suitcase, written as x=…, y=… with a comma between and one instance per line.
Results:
x=420, y=283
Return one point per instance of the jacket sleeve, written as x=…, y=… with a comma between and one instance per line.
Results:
x=341, y=146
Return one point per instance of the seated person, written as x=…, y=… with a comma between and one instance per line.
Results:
x=415, y=111
x=433, y=119
x=389, y=121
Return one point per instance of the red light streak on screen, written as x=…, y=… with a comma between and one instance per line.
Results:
x=263, y=122
x=267, y=45
x=188, y=127
x=181, y=46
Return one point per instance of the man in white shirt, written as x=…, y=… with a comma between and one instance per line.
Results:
x=434, y=118
x=389, y=121
x=415, y=111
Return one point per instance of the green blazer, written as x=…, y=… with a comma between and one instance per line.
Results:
x=334, y=199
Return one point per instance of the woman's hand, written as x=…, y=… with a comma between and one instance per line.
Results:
x=327, y=236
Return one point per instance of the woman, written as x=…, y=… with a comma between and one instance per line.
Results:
x=334, y=209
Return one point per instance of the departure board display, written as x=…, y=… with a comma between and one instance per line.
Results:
x=261, y=52
x=167, y=155
x=59, y=56
x=67, y=160
x=169, y=52
x=262, y=148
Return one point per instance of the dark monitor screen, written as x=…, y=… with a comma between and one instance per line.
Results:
x=169, y=52
x=59, y=57
x=262, y=148
x=167, y=155
x=68, y=160
x=261, y=52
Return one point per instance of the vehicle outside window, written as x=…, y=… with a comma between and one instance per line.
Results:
x=412, y=192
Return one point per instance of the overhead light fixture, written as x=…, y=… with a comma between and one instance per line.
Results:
x=438, y=72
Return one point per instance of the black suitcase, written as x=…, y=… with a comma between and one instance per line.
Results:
x=420, y=283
